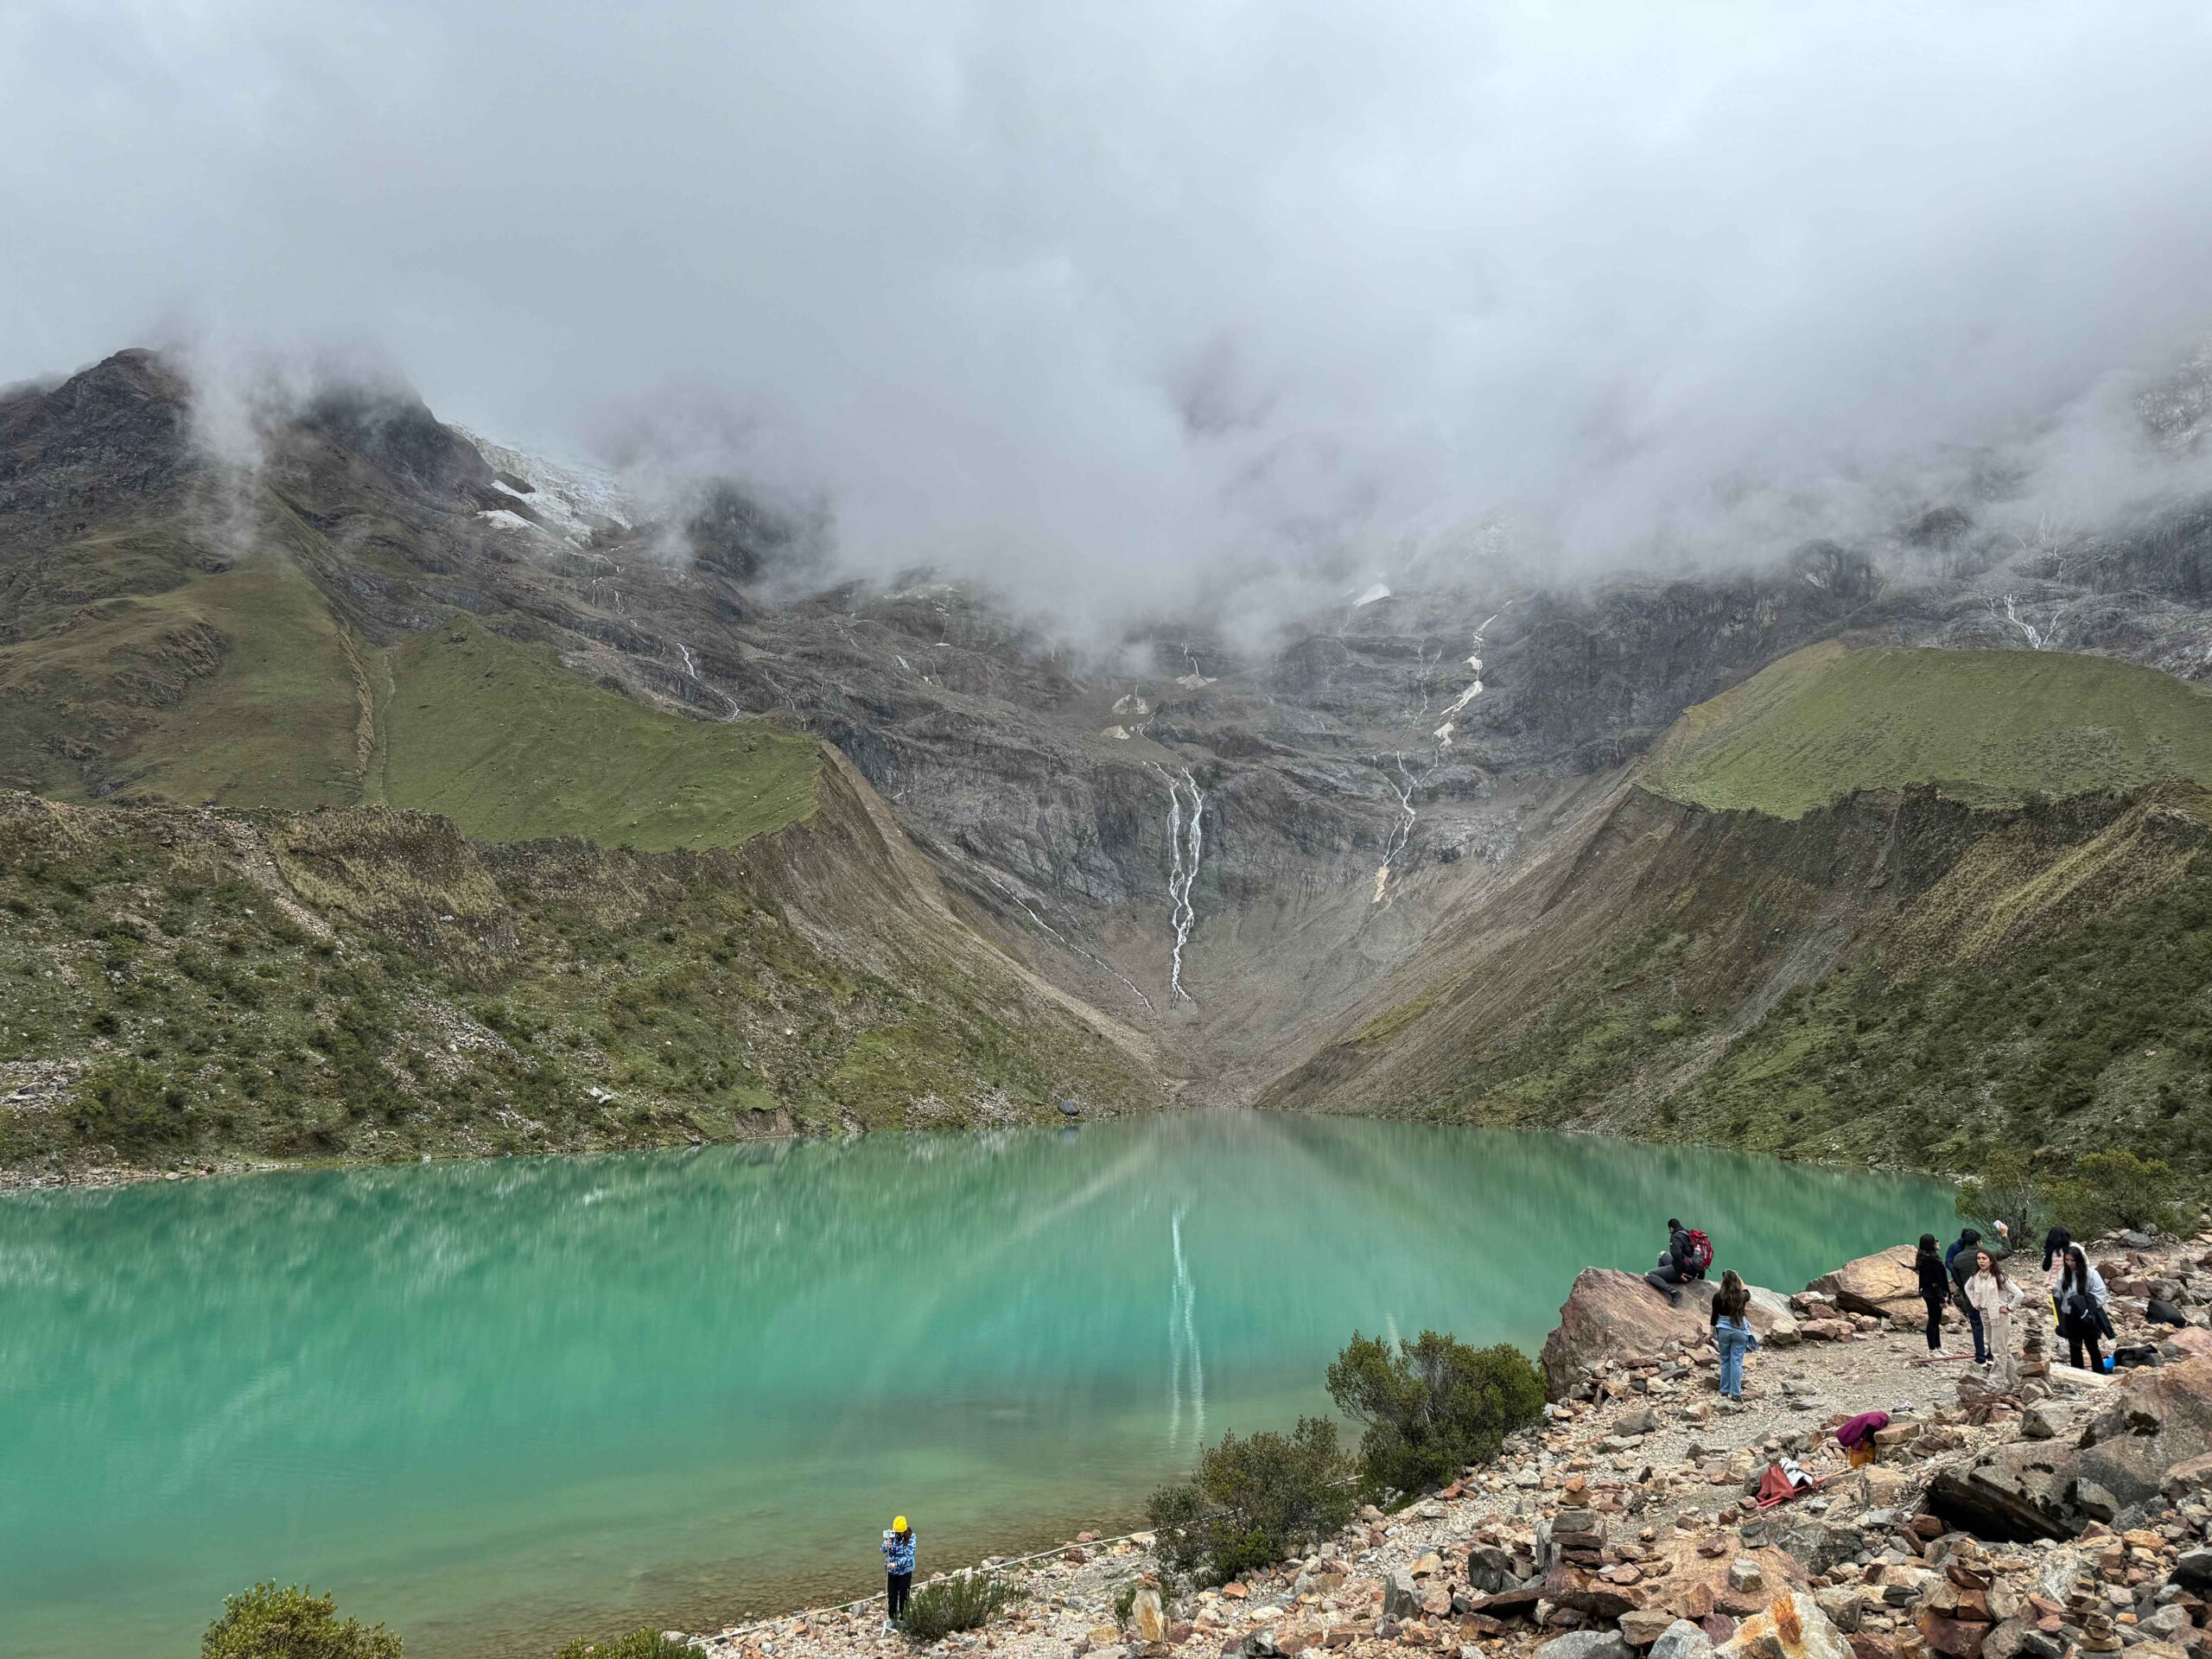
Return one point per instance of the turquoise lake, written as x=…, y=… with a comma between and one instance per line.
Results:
x=499, y=1405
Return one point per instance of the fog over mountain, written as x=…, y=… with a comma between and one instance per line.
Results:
x=1116, y=304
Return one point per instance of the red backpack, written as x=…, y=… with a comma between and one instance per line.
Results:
x=1700, y=1257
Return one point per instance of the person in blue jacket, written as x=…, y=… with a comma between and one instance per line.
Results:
x=898, y=1568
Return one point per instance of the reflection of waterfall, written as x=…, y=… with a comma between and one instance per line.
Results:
x=1183, y=1343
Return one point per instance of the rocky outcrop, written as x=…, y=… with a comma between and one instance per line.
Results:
x=2157, y=1423
x=1612, y=1314
x=1882, y=1284
x=1794, y=1627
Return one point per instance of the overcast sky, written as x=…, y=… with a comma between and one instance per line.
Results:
x=1089, y=297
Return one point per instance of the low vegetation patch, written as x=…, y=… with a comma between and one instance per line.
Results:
x=1990, y=727
x=2097, y=1193
x=966, y=1601
x=1254, y=1501
x=1432, y=1406
x=292, y=1623
x=643, y=1643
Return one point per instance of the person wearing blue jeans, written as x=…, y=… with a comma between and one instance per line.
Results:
x=1732, y=1333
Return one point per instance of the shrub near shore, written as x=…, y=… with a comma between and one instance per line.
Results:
x=1429, y=1409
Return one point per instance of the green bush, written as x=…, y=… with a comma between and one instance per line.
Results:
x=1125, y=1603
x=2110, y=1190
x=132, y=1107
x=1253, y=1502
x=966, y=1601
x=644, y=1643
x=2007, y=1189
x=267, y=1623
x=1433, y=1407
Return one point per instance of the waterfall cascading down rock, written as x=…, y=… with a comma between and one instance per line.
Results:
x=1182, y=869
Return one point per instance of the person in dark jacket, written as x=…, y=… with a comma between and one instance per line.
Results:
x=1675, y=1269
x=1960, y=1262
x=2054, y=1248
x=2079, y=1294
x=1935, y=1291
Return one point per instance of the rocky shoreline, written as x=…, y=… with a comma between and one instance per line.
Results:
x=2072, y=1516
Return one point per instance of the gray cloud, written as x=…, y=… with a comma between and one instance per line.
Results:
x=1104, y=301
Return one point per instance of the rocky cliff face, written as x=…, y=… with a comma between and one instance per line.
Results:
x=1310, y=813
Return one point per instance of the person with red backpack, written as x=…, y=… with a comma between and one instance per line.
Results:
x=1688, y=1254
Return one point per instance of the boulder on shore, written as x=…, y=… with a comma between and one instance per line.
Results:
x=1612, y=1313
x=1884, y=1283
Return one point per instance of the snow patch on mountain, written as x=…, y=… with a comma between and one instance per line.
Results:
x=573, y=500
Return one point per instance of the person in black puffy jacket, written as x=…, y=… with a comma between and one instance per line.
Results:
x=1675, y=1269
x=1935, y=1291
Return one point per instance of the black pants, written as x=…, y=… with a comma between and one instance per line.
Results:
x=899, y=1587
x=2078, y=1337
x=1935, y=1306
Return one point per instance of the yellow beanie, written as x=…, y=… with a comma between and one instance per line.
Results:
x=898, y=1524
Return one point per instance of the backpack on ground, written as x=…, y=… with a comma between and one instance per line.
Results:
x=1700, y=1256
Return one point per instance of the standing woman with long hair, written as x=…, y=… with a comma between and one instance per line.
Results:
x=1732, y=1333
x=1935, y=1291
x=1995, y=1297
x=2080, y=1296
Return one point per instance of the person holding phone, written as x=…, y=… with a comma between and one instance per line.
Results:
x=899, y=1570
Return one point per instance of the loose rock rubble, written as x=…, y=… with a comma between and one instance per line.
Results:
x=1627, y=1527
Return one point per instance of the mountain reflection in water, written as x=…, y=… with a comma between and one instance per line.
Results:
x=497, y=1405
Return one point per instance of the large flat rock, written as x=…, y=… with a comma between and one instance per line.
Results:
x=1884, y=1283
x=1613, y=1314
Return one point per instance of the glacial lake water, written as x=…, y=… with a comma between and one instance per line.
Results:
x=499, y=1405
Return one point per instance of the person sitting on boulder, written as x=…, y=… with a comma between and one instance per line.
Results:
x=1935, y=1291
x=1688, y=1254
x=1732, y=1333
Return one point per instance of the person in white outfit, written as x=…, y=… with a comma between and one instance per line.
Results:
x=1996, y=1297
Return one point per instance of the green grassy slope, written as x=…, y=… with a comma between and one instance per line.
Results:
x=1989, y=726
x=179, y=986
x=1909, y=981
x=499, y=738
x=279, y=722
x=242, y=687
x=1893, y=903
